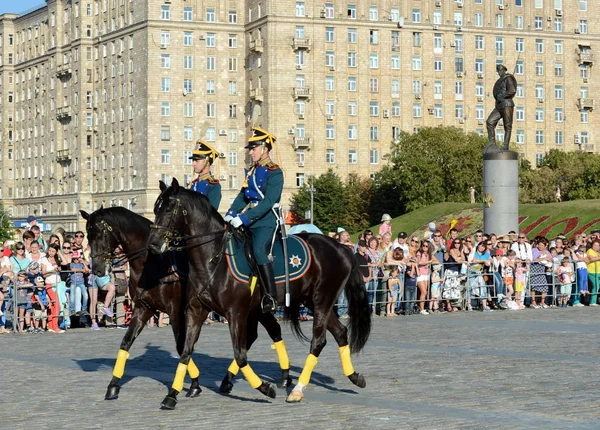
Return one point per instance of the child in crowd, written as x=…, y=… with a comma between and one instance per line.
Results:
x=520, y=277
x=436, y=286
x=565, y=276
x=24, y=292
x=393, y=289
x=508, y=272
x=39, y=303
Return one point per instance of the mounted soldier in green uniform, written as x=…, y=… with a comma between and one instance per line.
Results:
x=253, y=208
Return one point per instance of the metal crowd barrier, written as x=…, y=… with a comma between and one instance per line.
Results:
x=496, y=291
x=64, y=298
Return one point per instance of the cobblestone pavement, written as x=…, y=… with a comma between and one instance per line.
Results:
x=526, y=369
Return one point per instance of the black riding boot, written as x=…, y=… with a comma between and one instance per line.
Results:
x=269, y=301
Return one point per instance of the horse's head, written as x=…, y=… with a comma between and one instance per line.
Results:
x=169, y=221
x=102, y=239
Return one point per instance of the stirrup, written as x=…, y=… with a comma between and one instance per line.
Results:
x=268, y=304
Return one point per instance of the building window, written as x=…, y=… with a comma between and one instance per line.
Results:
x=351, y=83
x=374, y=156
x=211, y=63
x=187, y=14
x=352, y=156
x=188, y=38
x=165, y=133
x=558, y=92
x=329, y=34
x=417, y=110
x=165, y=85
x=329, y=132
x=438, y=111
x=165, y=156
x=188, y=62
x=520, y=137
x=188, y=109
x=374, y=133
x=165, y=61
x=188, y=86
x=539, y=114
x=539, y=137
x=165, y=109
x=165, y=12
x=210, y=15
x=188, y=133
x=558, y=137
x=539, y=68
x=539, y=23
x=352, y=132
x=520, y=113
x=374, y=108
x=330, y=156
x=558, y=115
x=416, y=63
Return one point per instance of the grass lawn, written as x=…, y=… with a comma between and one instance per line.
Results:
x=551, y=219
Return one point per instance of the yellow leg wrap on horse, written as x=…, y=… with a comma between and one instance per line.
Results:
x=179, y=377
x=119, y=368
x=346, y=361
x=233, y=367
x=253, y=284
x=284, y=360
x=249, y=374
x=193, y=369
x=309, y=365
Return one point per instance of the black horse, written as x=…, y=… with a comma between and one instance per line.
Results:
x=155, y=287
x=182, y=216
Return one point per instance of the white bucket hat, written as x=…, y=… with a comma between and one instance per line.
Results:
x=386, y=217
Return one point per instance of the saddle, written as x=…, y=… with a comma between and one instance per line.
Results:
x=240, y=259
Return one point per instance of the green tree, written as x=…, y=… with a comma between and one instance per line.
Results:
x=436, y=164
x=336, y=204
x=6, y=227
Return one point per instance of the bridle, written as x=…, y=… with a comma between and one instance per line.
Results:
x=108, y=255
x=175, y=240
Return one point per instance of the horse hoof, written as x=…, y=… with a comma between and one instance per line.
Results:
x=112, y=392
x=168, y=403
x=358, y=380
x=267, y=389
x=225, y=388
x=294, y=397
x=193, y=392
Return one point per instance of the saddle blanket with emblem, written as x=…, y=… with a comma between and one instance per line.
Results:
x=299, y=259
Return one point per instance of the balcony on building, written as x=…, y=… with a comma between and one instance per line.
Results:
x=257, y=94
x=301, y=44
x=302, y=142
x=301, y=92
x=63, y=71
x=585, y=103
x=256, y=45
x=585, y=57
x=63, y=112
x=63, y=155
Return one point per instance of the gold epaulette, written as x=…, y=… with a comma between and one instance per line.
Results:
x=268, y=163
x=208, y=177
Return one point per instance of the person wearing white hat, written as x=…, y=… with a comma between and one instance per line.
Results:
x=386, y=225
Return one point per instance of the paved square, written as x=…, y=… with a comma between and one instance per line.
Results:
x=525, y=369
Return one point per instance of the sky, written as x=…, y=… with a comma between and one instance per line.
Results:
x=18, y=6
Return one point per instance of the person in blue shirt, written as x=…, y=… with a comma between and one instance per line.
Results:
x=253, y=208
x=205, y=183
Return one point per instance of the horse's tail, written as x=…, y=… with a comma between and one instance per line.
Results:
x=293, y=314
x=358, y=308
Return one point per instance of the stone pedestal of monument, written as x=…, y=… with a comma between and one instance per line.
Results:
x=501, y=191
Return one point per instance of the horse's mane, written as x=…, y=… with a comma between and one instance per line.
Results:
x=123, y=219
x=200, y=201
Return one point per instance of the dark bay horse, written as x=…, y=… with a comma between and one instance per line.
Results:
x=181, y=215
x=155, y=287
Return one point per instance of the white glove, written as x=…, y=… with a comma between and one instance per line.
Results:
x=236, y=222
x=227, y=218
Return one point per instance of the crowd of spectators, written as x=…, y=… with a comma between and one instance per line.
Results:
x=47, y=286
x=448, y=273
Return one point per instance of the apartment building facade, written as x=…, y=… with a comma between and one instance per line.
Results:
x=101, y=99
